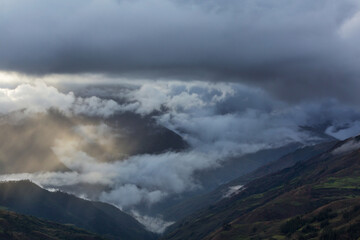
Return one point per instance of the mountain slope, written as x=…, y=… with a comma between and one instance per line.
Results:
x=269, y=206
x=27, y=198
x=176, y=208
x=15, y=226
x=199, y=202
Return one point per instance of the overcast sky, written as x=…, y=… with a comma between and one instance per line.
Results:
x=296, y=49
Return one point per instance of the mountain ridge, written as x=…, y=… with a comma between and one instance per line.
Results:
x=279, y=197
x=27, y=198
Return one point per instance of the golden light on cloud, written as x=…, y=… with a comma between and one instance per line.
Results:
x=15, y=78
x=10, y=78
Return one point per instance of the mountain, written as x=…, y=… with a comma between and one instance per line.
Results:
x=237, y=171
x=188, y=206
x=177, y=207
x=15, y=226
x=141, y=134
x=286, y=161
x=318, y=198
x=27, y=142
x=27, y=198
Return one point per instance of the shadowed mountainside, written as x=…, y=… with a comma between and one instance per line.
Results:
x=15, y=226
x=27, y=198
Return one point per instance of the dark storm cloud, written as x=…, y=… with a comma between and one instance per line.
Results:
x=294, y=49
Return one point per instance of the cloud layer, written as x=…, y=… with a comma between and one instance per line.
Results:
x=218, y=120
x=296, y=50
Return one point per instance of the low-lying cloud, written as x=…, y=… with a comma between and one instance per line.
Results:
x=154, y=224
x=348, y=146
x=219, y=121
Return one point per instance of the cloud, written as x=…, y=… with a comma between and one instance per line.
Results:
x=94, y=106
x=40, y=97
x=218, y=120
x=175, y=96
x=351, y=27
x=236, y=119
x=145, y=179
x=134, y=196
x=345, y=130
x=153, y=224
x=347, y=147
x=297, y=50
x=233, y=190
x=34, y=98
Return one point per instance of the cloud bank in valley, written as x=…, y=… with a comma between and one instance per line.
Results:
x=218, y=121
x=297, y=50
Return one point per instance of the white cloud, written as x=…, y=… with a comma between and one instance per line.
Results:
x=34, y=98
x=153, y=224
x=233, y=190
x=351, y=27
x=139, y=179
x=349, y=146
x=94, y=106
x=218, y=120
x=40, y=97
x=177, y=96
x=134, y=195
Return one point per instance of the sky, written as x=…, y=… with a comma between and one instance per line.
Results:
x=230, y=77
x=296, y=50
